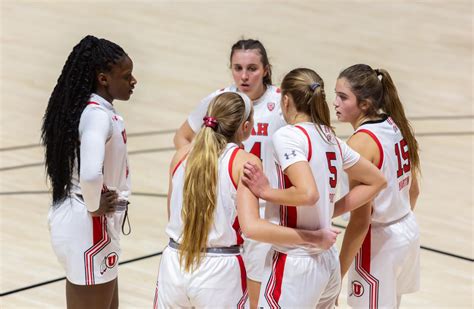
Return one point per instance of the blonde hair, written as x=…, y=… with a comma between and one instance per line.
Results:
x=200, y=180
x=306, y=88
x=381, y=94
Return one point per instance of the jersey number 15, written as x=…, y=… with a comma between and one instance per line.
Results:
x=403, y=157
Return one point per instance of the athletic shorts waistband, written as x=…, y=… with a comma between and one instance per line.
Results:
x=218, y=250
x=383, y=224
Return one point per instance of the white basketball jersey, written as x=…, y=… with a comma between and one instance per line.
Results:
x=113, y=165
x=327, y=158
x=268, y=119
x=225, y=231
x=393, y=202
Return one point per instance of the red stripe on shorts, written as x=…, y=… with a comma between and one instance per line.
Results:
x=243, y=278
x=273, y=288
x=362, y=267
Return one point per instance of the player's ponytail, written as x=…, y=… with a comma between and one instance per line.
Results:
x=306, y=88
x=377, y=90
x=392, y=105
x=225, y=115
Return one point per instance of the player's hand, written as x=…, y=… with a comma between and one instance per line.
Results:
x=255, y=180
x=325, y=238
x=108, y=201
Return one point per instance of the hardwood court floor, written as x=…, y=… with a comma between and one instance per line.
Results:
x=180, y=52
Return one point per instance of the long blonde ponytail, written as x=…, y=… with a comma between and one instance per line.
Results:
x=201, y=176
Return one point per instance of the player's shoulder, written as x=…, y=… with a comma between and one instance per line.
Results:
x=243, y=156
x=274, y=94
x=231, y=88
x=287, y=131
x=95, y=112
x=364, y=142
x=360, y=137
x=274, y=89
x=180, y=155
x=215, y=93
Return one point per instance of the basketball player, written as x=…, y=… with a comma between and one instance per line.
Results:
x=202, y=266
x=310, y=157
x=86, y=154
x=383, y=236
x=252, y=74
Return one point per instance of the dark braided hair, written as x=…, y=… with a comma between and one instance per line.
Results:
x=60, y=130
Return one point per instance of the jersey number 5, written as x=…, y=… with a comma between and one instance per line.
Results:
x=331, y=156
x=403, y=158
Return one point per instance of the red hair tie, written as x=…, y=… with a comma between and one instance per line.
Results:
x=210, y=122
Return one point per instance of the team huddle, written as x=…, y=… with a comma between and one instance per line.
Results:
x=257, y=177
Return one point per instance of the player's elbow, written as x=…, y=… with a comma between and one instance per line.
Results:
x=183, y=136
x=414, y=192
x=179, y=140
x=310, y=197
x=88, y=179
x=250, y=229
x=381, y=182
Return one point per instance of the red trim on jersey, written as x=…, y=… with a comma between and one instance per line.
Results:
x=310, y=148
x=236, y=224
x=291, y=214
x=273, y=288
x=92, y=103
x=243, y=280
x=231, y=164
x=376, y=140
x=288, y=214
x=177, y=165
x=238, y=231
x=362, y=267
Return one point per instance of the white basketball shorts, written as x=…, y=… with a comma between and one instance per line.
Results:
x=387, y=265
x=87, y=247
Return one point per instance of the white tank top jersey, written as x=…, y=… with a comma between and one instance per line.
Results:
x=327, y=158
x=268, y=118
x=103, y=153
x=393, y=202
x=225, y=231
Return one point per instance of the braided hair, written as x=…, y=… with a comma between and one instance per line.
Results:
x=60, y=129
